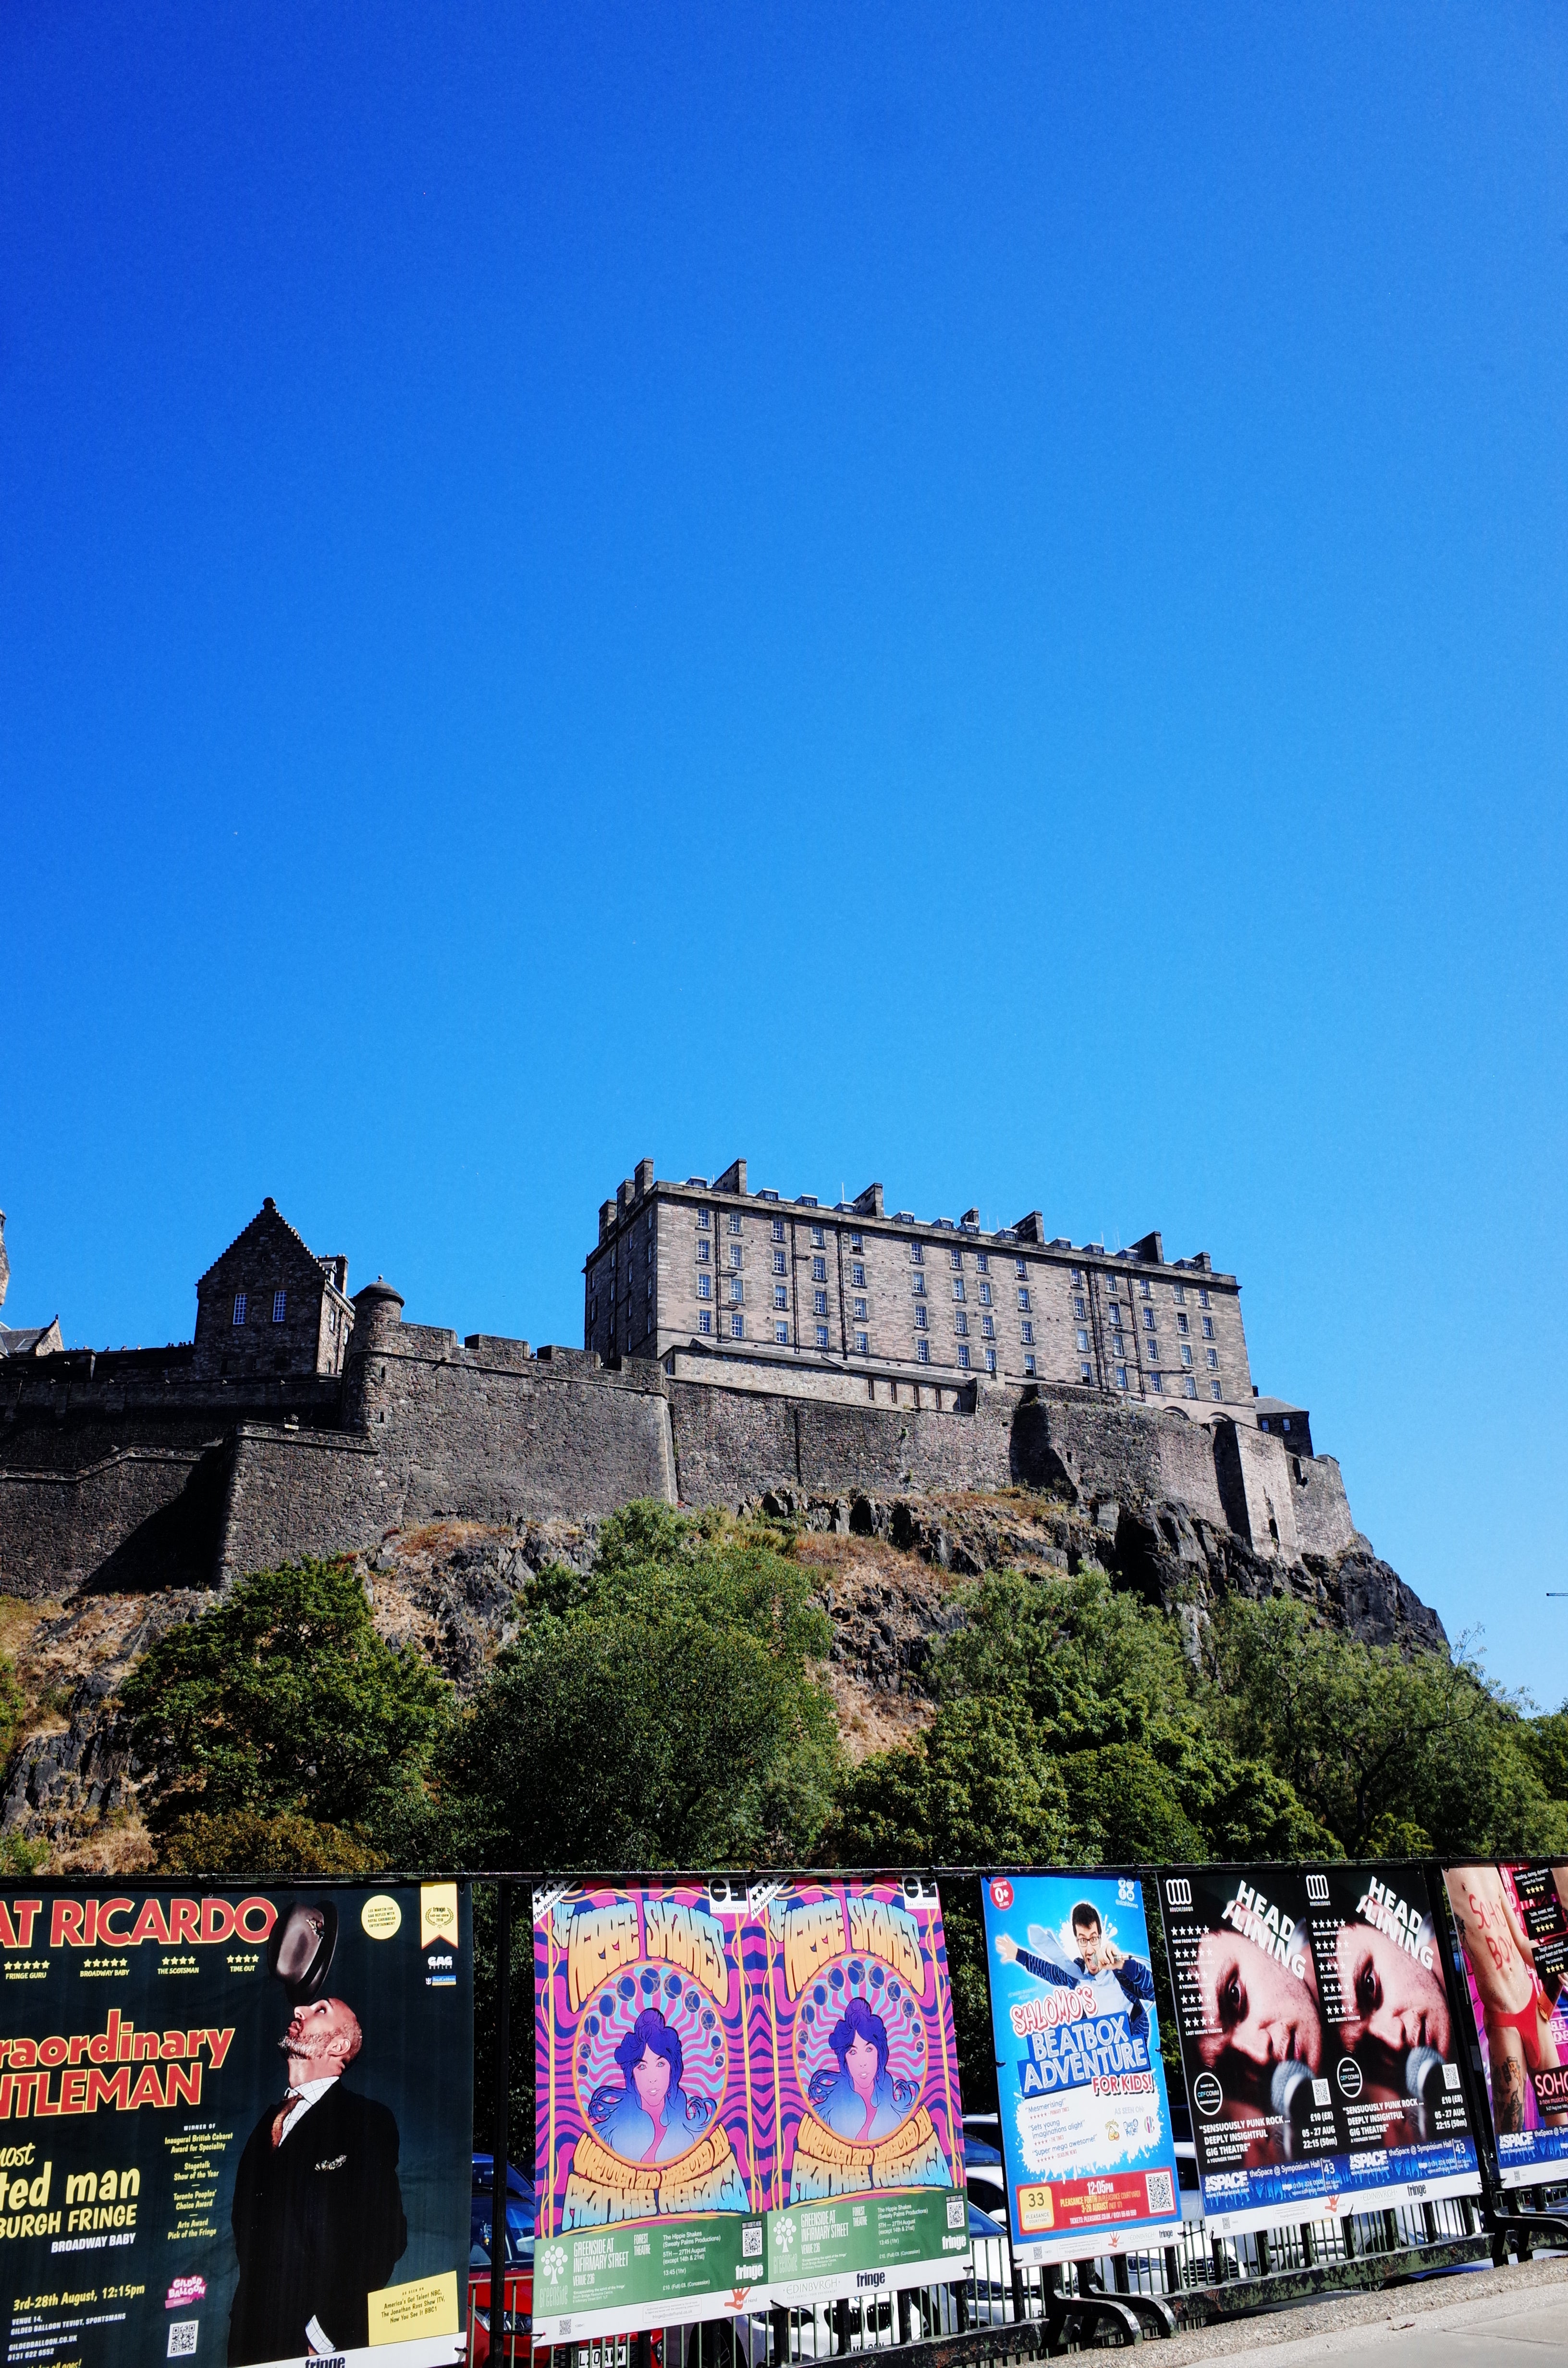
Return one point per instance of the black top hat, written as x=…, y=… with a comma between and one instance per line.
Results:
x=301, y=1949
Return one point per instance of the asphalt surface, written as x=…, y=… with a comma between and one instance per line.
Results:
x=1516, y=2317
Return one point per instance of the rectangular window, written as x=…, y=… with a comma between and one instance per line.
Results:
x=781, y=1335
x=279, y=1305
x=734, y=1253
x=1214, y=1392
x=704, y=1286
x=1110, y=1286
x=983, y=1260
x=735, y=1221
x=779, y=1265
x=239, y=1308
x=1203, y=1294
x=1075, y=1275
x=957, y=1257
x=819, y=1302
x=922, y=1350
x=856, y=1242
x=701, y=1252
x=860, y=1310
x=1116, y=1322
x=1181, y=1324
x=963, y=1356
x=1121, y=1377
x=1188, y=1388
x=985, y=1294
x=1028, y=1365
x=988, y=1325
x=704, y=1219
x=704, y=1320
x=957, y=1286
x=990, y=1360
x=1208, y=1328
x=737, y=1327
x=819, y=1240
x=857, y=1277
x=822, y=1335
x=1180, y=1290
x=1027, y=1330
x=960, y=1324
x=1085, y=1372
x=917, y=1284
x=916, y=1255
x=1211, y=1358
x=1145, y=1290
x=777, y=1229
x=1023, y=1297
x=862, y=1344
x=1155, y=1384
x=1021, y=1268
x=920, y=1319
x=737, y=1291
x=1186, y=1354
x=1082, y=1340
x=780, y=1295
x=819, y=1269
x=1148, y=1319
x=1079, y=1309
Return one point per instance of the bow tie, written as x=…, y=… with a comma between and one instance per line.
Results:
x=294, y=2097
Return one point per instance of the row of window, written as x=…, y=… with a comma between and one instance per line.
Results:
x=279, y=1307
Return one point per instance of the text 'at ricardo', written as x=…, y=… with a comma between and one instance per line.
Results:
x=237, y=2127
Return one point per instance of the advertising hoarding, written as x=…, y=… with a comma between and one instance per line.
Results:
x=1513, y=1928
x=1318, y=2040
x=745, y=2096
x=1086, y=2124
x=237, y=2126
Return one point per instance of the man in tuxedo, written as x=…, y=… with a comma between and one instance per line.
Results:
x=318, y=2216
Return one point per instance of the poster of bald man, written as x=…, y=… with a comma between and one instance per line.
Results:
x=235, y=2125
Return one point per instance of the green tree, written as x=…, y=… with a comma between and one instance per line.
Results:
x=281, y=1703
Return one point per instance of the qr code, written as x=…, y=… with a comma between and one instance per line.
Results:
x=1162, y=2195
x=182, y=2337
x=955, y=2211
x=751, y=2242
x=1320, y=2092
x=1450, y=2076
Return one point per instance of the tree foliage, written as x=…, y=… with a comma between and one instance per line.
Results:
x=281, y=1701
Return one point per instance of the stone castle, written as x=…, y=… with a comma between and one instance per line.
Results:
x=738, y=1349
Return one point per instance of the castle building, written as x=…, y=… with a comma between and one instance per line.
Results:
x=689, y=1274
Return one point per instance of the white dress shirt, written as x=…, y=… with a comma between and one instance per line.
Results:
x=310, y=2093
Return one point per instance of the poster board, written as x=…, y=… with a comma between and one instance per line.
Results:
x=745, y=2096
x=169, y=2192
x=1086, y=2139
x=1318, y=2040
x=1512, y=1922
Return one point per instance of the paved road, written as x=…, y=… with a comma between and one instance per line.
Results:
x=1490, y=2318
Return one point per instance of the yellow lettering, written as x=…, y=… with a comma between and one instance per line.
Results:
x=603, y=1940
x=884, y=1928
x=813, y=1937
x=690, y=1939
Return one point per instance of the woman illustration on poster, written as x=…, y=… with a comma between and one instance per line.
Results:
x=650, y=2118
x=860, y=2100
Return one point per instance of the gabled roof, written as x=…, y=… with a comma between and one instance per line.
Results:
x=266, y=1220
x=29, y=1340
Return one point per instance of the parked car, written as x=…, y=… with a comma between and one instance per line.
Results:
x=517, y=2345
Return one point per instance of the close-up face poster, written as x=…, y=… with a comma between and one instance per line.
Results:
x=744, y=2095
x=1512, y=1922
x=1317, y=2040
x=237, y=2126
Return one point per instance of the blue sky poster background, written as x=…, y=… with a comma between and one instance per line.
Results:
x=970, y=598
x=1035, y=1912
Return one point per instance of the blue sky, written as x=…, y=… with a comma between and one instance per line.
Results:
x=967, y=595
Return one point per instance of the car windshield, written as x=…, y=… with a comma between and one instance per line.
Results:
x=519, y=2232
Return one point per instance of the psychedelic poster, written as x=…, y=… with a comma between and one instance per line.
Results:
x=235, y=2125
x=852, y=2034
x=1317, y=2040
x=649, y=2119
x=1513, y=1928
x=1085, y=2123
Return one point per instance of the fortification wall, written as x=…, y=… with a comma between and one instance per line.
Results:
x=732, y=1443
x=1323, y=1525
x=292, y=1494
x=139, y=1516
